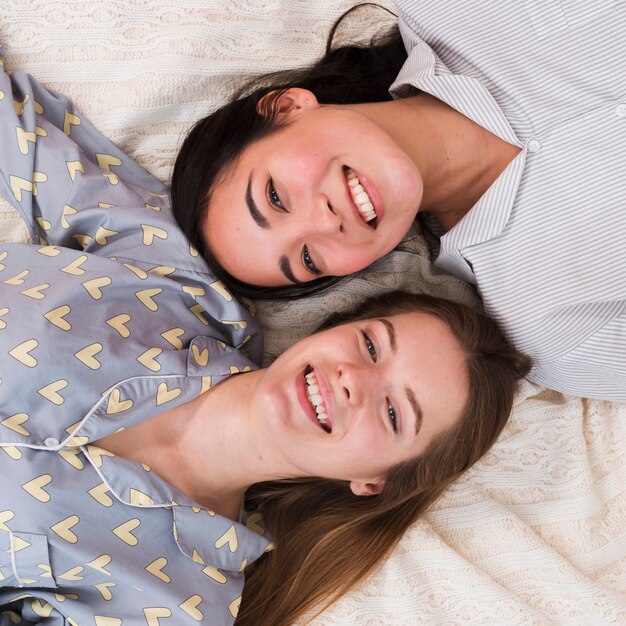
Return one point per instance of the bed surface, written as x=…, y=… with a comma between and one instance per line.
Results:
x=536, y=532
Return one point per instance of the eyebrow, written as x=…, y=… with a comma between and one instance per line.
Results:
x=416, y=409
x=262, y=221
x=257, y=216
x=285, y=268
x=391, y=331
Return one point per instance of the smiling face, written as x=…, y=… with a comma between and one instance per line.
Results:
x=325, y=195
x=354, y=401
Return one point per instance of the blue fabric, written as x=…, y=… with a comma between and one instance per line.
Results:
x=111, y=319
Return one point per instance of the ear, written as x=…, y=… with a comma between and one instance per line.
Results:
x=367, y=487
x=290, y=101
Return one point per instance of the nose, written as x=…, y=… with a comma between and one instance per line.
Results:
x=354, y=383
x=325, y=219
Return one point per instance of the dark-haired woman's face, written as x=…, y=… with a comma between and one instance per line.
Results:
x=324, y=196
x=354, y=401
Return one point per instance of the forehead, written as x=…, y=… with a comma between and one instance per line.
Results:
x=422, y=342
x=432, y=361
x=424, y=338
x=243, y=249
x=248, y=247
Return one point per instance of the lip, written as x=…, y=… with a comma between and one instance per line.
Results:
x=304, y=401
x=372, y=192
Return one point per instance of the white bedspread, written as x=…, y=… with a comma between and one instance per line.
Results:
x=536, y=533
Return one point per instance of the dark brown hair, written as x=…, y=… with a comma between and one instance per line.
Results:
x=347, y=74
x=327, y=539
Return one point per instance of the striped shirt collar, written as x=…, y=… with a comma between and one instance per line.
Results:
x=424, y=71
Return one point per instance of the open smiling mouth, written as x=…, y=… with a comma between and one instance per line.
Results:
x=361, y=199
x=315, y=398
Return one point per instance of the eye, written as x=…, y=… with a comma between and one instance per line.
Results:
x=308, y=262
x=371, y=348
x=273, y=197
x=393, y=416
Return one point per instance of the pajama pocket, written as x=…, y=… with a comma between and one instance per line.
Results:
x=24, y=560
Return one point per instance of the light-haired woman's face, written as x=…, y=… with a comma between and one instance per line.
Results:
x=324, y=196
x=353, y=401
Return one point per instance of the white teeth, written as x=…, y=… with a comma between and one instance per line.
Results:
x=315, y=398
x=360, y=197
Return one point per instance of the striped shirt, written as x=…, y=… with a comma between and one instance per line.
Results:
x=546, y=244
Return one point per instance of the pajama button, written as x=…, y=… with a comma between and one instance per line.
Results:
x=50, y=442
x=534, y=145
x=620, y=109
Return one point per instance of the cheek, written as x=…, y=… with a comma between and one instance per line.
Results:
x=368, y=441
x=347, y=259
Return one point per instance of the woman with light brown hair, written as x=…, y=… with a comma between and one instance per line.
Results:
x=155, y=498
x=329, y=539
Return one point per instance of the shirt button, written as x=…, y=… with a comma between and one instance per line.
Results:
x=50, y=442
x=620, y=109
x=534, y=145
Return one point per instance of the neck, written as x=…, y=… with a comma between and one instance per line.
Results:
x=203, y=448
x=457, y=159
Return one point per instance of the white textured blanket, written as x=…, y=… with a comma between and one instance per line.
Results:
x=536, y=533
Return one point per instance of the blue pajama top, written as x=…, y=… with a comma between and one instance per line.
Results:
x=111, y=318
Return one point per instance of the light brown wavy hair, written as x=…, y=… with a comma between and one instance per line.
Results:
x=327, y=539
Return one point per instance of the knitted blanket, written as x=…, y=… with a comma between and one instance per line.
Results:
x=536, y=532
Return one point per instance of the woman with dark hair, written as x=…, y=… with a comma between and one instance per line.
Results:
x=324, y=171
x=127, y=504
